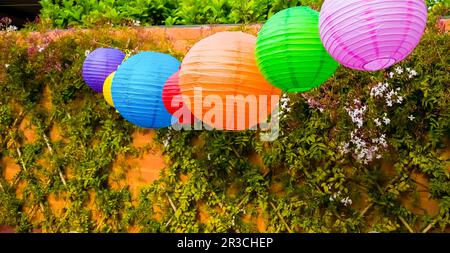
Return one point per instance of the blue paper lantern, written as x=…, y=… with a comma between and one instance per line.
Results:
x=137, y=89
x=99, y=65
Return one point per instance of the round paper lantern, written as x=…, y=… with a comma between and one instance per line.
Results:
x=221, y=84
x=137, y=89
x=173, y=100
x=289, y=52
x=99, y=65
x=107, y=89
x=371, y=35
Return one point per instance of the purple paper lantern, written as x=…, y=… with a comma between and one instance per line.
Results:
x=99, y=65
x=370, y=35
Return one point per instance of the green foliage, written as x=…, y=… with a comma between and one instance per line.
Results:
x=214, y=181
x=68, y=13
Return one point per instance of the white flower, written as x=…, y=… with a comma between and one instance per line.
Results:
x=399, y=70
x=382, y=141
x=379, y=90
x=386, y=120
x=357, y=114
x=390, y=94
x=11, y=28
x=284, y=99
x=40, y=49
x=411, y=117
x=391, y=75
x=377, y=122
x=347, y=201
x=412, y=73
x=345, y=149
x=7, y=65
x=87, y=52
x=209, y=157
x=136, y=23
x=399, y=100
x=363, y=151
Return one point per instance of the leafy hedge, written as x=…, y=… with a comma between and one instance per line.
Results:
x=64, y=13
x=349, y=158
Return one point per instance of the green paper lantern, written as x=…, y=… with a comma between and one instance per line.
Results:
x=289, y=51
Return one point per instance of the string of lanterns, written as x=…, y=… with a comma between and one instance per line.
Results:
x=297, y=50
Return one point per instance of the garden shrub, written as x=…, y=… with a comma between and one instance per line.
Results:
x=68, y=13
x=64, y=13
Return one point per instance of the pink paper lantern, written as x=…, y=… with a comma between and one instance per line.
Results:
x=370, y=35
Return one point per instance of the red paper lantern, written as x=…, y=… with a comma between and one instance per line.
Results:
x=173, y=100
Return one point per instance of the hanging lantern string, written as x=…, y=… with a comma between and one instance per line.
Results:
x=128, y=53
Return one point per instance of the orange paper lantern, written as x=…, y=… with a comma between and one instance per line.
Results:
x=222, y=85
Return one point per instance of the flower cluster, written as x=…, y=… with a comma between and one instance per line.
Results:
x=364, y=148
x=383, y=91
x=5, y=24
x=136, y=23
x=313, y=103
x=11, y=28
x=347, y=201
x=356, y=112
x=385, y=120
x=364, y=151
x=399, y=70
x=38, y=43
x=284, y=106
x=167, y=138
x=411, y=73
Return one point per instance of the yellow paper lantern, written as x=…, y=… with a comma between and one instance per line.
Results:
x=107, y=89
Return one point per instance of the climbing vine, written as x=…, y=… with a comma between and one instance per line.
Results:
x=362, y=153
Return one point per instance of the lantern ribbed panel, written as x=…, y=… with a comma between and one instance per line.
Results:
x=107, y=89
x=137, y=89
x=290, y=53
x=372, y=35
x=224, y=64
x=99, y=65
